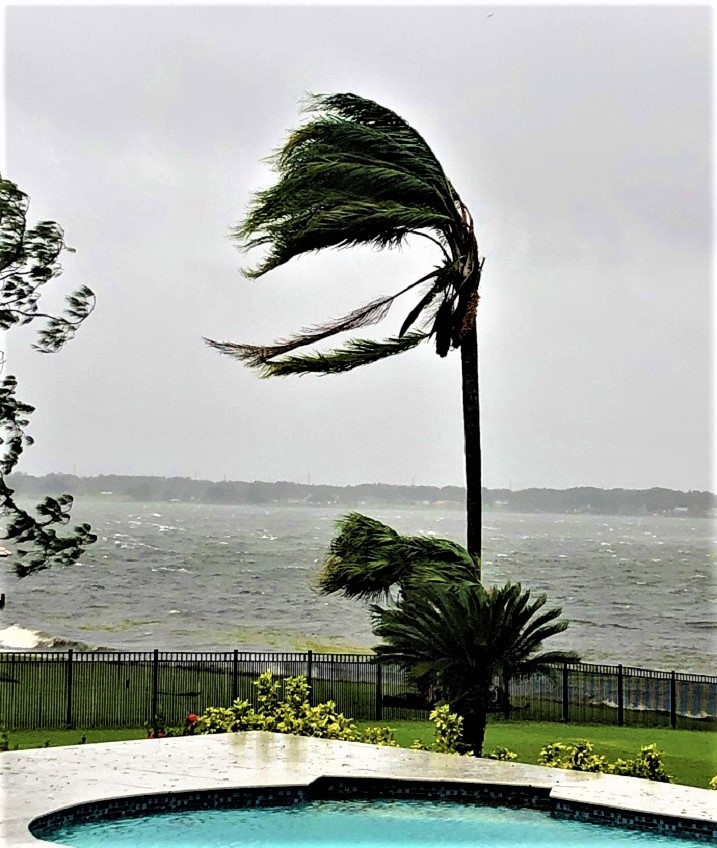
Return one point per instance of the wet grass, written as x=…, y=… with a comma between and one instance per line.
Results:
x=690, y=755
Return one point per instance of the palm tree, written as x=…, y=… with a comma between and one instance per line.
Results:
x=461, y=636
x=358, y=174
x=366, y=559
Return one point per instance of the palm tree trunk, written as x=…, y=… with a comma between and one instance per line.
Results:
x=473, y=734
x=506, y=694
x=471, y=431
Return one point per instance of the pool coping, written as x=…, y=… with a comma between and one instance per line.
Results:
x=39, y=782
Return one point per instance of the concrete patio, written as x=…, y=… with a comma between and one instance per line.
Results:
x=36, y=782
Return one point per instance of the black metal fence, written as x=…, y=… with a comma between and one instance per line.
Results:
x=113, y=690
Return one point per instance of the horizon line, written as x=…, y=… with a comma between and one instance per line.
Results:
x=365, y=483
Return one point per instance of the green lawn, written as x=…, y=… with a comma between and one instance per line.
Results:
x=19, y=739
x=690, y=756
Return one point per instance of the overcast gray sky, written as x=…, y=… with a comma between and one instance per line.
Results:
x=580, y=137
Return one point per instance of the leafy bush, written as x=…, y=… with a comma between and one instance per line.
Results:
x=291, y=714
x=379, y=736
x=447, y=735
x=448, y=730
x=580, y=757
x=553, y=755
x=647, y=764
x=713, y=782
x=503, y=754
x=216, y=720
x=324, y=722
x=267, y=694
x=157, y=729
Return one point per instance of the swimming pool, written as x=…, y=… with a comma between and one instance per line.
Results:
x=364, y=823
x=255, y=772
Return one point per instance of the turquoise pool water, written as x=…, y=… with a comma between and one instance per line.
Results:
x=338, y=824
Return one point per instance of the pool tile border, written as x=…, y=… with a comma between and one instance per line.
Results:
x=140, y=805
x=666, y=825
x=345, y=788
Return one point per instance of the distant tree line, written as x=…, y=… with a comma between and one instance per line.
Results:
x=581, y=499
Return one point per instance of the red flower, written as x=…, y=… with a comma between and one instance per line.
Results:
x=192, y=718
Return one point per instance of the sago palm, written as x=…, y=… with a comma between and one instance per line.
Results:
x=358, y=174
x=460, y=637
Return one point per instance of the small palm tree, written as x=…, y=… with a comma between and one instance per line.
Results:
x=367, y=559
x=461, y=636
x=442, y=626
x=358, y=174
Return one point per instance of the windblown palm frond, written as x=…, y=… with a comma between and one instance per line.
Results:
x=358, y=174
x=367, y=558
x=259, y=356
x=355, y=353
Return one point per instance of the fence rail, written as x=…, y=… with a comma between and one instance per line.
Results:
x=113, y=690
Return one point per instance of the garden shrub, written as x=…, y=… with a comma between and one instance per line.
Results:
x=324, y=722
x=267, y=694
x=447, y=735
x=713, y=782
x=379, y=736
x=291, y=714
x=503, y=754
x=647, y=764
x=448, y=730
x=580, y=757
x=553, y=755
x=216, y=720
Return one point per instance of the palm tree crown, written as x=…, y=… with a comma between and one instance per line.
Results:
x=461, y=637
x=357, y=173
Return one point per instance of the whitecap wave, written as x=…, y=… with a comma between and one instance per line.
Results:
x=14, y=638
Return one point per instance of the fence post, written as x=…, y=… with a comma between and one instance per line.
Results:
x=68, y=710
x=566, y=694
x=673, y=701
x=309, y=671
x=620, y=698
x=235, y=675
x=155, y=684
x=10, y=723
x=379, y=693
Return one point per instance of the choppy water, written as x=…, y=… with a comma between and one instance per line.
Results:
x=638, y=590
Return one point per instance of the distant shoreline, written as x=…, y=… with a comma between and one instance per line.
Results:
x=578, y=500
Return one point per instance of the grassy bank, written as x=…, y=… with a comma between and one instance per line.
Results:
x=690, y=756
